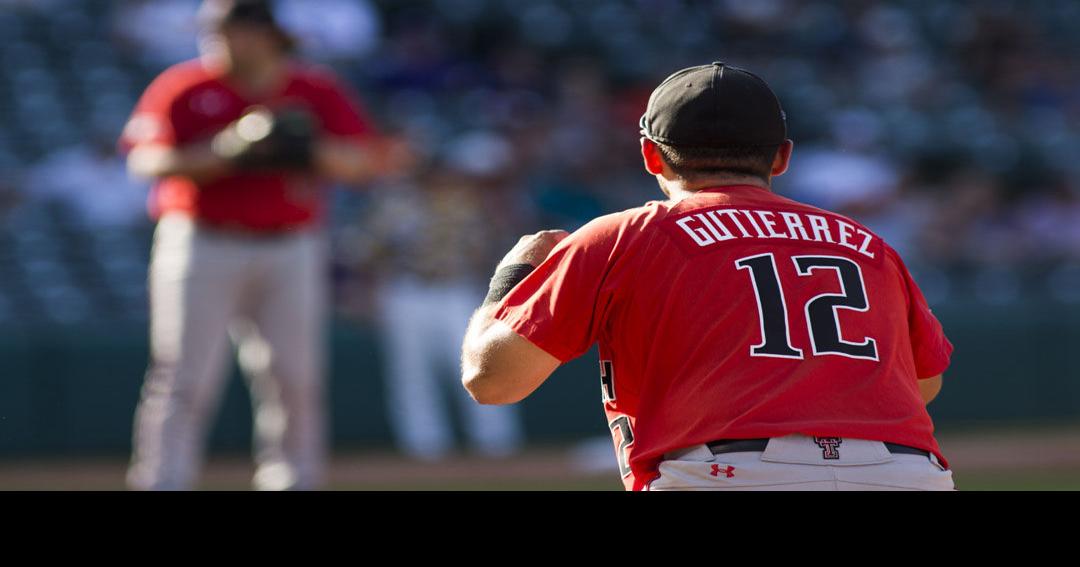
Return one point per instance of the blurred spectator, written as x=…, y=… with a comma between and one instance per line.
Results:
x=36, y=5
x=157, y=32
x=968, y=226
x=1050, y=222
x=846, y=174
x=91, y=181
x=332, y=30
x=942, y=126
x=9, y=196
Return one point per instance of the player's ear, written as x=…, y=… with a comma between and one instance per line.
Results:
x=650, y=152
x=783, y=158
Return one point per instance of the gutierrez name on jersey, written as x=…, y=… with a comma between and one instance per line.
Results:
x=712, y=227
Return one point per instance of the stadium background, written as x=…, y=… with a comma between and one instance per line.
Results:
x=948, y=127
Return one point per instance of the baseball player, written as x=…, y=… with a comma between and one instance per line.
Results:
x=427, y=289
x=747, y=341
x=240, y=142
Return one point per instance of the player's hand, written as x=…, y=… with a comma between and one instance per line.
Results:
x=533, y=249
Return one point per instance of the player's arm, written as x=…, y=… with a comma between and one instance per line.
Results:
x=352, y=150
x=931, y=350
x=197, y=162
x=357, y=161
x=498, y=366
x=929, y=388
x=153, y=148
x=341, y=159
x=158, y=137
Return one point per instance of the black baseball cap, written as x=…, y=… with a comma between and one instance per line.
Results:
x=714, y=106
x=214, y=14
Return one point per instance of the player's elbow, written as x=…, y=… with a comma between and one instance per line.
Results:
x=487, y=388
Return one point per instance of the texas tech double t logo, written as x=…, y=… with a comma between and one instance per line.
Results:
x=829, y=446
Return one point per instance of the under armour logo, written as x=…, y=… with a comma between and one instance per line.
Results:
x=729, y=471
x=828, y=446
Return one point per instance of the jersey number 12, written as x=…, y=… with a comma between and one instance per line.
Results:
x=821, y=310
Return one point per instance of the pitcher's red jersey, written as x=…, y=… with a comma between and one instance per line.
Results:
x=190, y=102
x=736, y=313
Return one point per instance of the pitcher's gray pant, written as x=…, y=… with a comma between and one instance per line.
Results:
x=267, y=293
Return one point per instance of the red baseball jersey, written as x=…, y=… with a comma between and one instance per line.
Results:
x=189, y=103
x=736, y=313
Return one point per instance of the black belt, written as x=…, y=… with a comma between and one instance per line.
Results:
x=739, y=445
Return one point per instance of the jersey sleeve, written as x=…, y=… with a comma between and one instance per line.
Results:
x=339, y=109
x=154, y=119
x=930, y=347
x=562, y=305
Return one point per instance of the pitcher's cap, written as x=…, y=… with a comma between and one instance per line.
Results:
x=213, y=14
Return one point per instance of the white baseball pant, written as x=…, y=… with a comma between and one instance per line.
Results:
x=795, y=462
x=267, y=293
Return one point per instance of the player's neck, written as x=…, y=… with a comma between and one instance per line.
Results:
x=678, y=188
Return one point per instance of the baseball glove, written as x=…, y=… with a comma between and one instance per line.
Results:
x=262, y=140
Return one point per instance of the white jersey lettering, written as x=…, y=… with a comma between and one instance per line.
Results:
x=769, y=224
x=700, y=236
x=865, y=244
x=794, y=225
x=734, y=216
x=719, y=226
x=846, y=231
x=753, y=223
x=820, y=227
